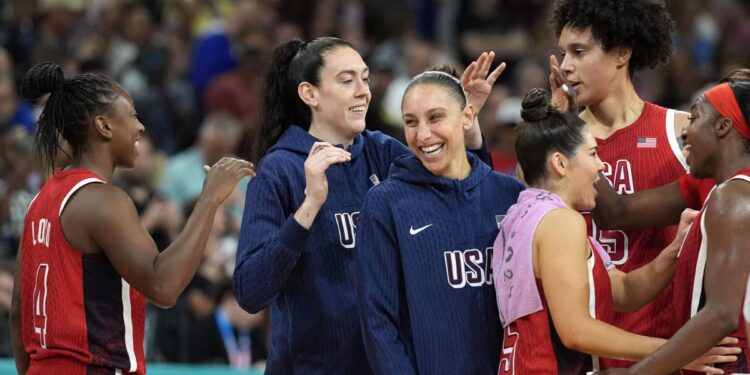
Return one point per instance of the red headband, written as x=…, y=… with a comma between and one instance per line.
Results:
x=722, y=98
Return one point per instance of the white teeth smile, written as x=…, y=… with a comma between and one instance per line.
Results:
x=432, y=149
x=358, y=109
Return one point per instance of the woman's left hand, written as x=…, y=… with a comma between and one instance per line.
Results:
x=477, y=83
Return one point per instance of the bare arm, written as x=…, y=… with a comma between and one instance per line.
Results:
x=563, y=250
x=632, y=290
x=102, y=217
x=16, y=336
x=655, y=207
x=727, y=267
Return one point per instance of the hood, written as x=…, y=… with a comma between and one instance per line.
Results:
x=299, y=141
x=410, y=169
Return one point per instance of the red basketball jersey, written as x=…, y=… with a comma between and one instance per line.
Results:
x=78, y=316
x=689, y=295
x=641, y=156
x=695, y=190
x=531, y=345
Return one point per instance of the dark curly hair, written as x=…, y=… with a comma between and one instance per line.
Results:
x=643, y=25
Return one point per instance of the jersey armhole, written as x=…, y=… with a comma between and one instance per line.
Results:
x=74, y=189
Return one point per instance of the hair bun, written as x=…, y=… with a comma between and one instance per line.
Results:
x=535, y=105
x=41, y=79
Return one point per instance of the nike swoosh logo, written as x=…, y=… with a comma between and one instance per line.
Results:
x=413, y=231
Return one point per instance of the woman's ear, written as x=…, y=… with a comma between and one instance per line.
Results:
x=467, y=117
x=557, y=164
x=102, y=127
x=622, y=55
x=308, y=93
x=723, y=126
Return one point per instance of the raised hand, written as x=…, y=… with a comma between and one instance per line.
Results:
x=322, y=155
x=222, y=177
x=477, y=83
x=563, y=96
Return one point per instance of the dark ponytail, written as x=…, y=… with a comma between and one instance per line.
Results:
x=71, y=105
x=293, y=62
x=545, y=130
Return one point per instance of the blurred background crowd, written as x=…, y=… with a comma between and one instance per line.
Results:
x=195, y=67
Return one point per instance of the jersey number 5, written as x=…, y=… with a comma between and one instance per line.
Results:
x=40, y=303
x=615, y=242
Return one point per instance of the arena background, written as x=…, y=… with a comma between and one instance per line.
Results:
x=196, y=64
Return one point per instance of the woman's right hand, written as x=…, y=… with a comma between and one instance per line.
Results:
x=223, y=177
x=322, y=155
x=718, y=354
x=563, y=96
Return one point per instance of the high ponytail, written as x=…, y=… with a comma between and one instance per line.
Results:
x=71, y=105
x=293, y=62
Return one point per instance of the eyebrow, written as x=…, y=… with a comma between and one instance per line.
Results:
x=352, y=72
x=429, y=112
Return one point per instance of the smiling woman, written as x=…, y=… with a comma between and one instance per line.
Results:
x=301, y=211
x=436, y=216
x=85, y=262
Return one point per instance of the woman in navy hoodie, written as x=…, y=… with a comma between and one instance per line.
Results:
x=425, y=240
x=296, y=245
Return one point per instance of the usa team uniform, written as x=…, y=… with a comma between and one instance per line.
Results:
x=641, y=156
x=695, y=190
x=78, y=315
x=689, y=294
x=531, y=345
x=425, y=290
x=308, y=277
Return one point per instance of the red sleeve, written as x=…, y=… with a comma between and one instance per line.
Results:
x=695, y=190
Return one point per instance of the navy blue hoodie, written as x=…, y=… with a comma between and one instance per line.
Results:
x=424, y=248
x=308, y=277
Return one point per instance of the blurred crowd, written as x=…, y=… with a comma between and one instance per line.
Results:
x=195, y=69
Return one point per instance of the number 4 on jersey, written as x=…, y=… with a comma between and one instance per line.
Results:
x=40, y=304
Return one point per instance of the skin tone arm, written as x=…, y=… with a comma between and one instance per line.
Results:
x=477, y=85
x=650, y=208
x=567, y=294
x=16, y=338
x=725, y=278
x=632, y=290
x=102, y=218
x=322, y=155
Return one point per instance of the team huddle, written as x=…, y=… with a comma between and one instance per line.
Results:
x=619, y=246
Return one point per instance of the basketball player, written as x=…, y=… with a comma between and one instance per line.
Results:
x=714, y=260
x=436, y=215
x=603, y=44
x=85, y=262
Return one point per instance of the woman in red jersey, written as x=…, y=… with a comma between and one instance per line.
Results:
x=714, y=260
x=554, y=285
x=74, y=310
x=603, y=44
